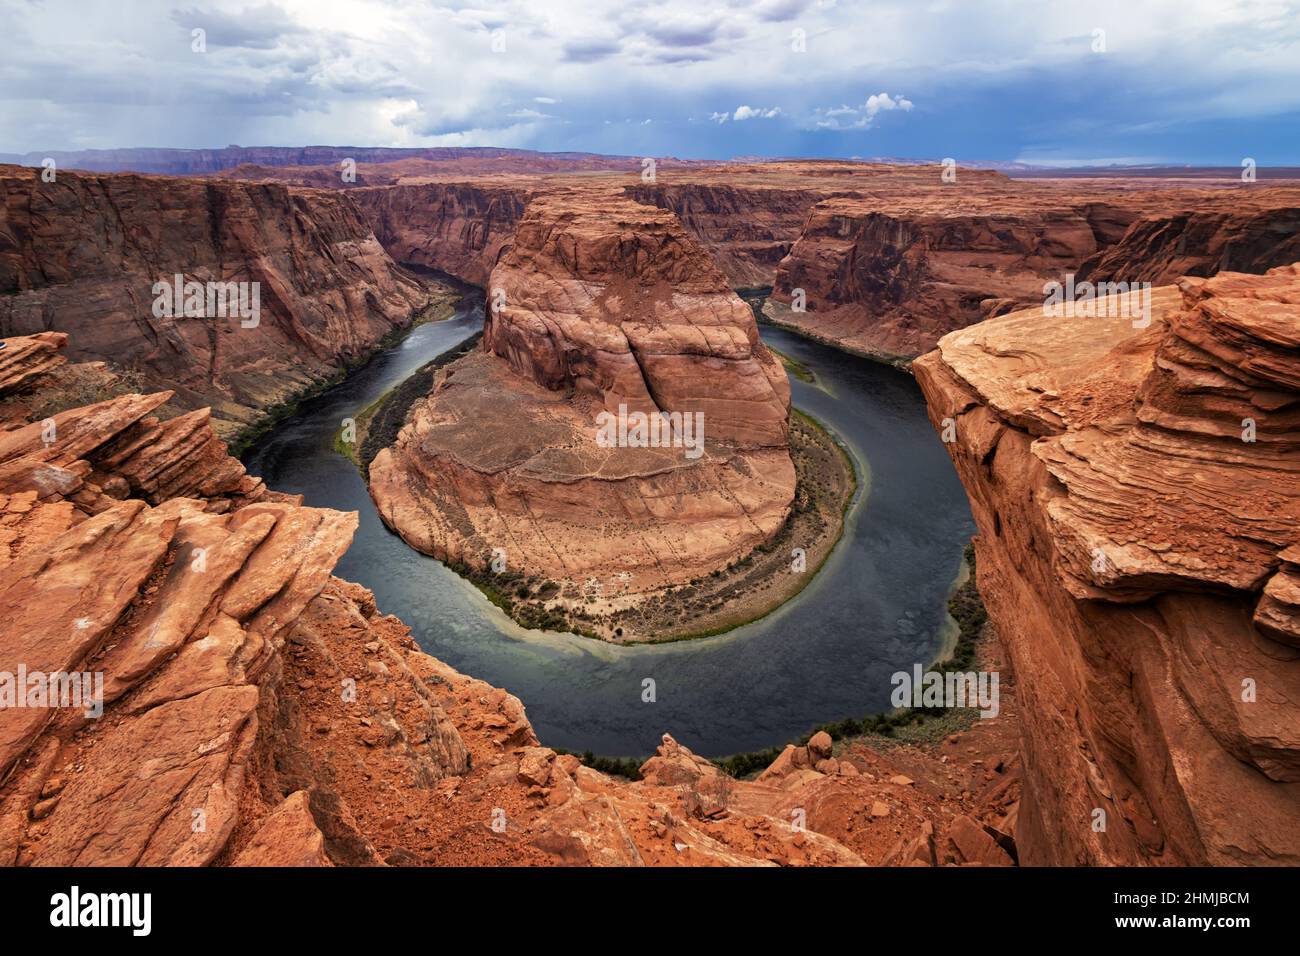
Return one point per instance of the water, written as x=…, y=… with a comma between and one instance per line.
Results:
x=876, y=606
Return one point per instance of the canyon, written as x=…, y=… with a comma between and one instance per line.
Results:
x=889, y=258
x=259, y=711
x=1135, y=491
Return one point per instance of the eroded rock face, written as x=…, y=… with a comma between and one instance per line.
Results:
x=891, y=281
x=456, y=227
x=889, y=257
x=747, y=230
x=256, y=711
x=604, y=303
x=1252, y=234
x=1137, y=492
x=82, y=255
x=889, y=270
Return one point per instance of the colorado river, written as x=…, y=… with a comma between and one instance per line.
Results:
x=876, y=606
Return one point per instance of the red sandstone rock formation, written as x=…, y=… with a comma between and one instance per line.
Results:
x=1248, y=235
x=83, y=253
x=890, y=281
x=456, y=227
x=889, y=274
x=747, y=229
x=606, y=303
x=890, y=257
x=1137, y=492
x=257, y=711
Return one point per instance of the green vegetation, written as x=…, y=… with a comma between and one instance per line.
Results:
x=522, y=599
x=75, y=386
x=810, y=485
x=793, y=366
x=387, y=416
x=967, y=609
x=615, y=766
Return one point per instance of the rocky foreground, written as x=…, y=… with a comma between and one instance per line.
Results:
x=1137, y=492
x=600, y=307
x=258, y=711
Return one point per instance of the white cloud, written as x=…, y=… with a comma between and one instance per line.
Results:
x=863, y=116
x=749, y=112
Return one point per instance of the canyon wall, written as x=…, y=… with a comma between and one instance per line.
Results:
x=1137, y=490
x=888, y=258
x=254, y=710
x=1247, y=236
x=456, y=227
x=606, y=304
x=889, y=274
x=82, y=255
x=891, y=280
x=748, y=231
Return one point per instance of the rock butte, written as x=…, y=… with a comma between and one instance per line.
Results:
x=248, y=689
x=608, y=303
x=1139, y=559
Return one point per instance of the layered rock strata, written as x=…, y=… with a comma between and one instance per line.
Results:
x=890, y=282
x=82, y=255
x=888, y=274
x=1161, y=247
x=600, y=304
x=252, y=710
x=455, y=227
x=1137, y=492
x=888, y=257
x=747, y=230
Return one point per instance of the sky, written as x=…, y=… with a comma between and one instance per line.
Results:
x=1038, y=81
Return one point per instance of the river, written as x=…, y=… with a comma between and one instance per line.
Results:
x=877, y=606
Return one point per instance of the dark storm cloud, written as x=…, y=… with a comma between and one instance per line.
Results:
x=258, y=28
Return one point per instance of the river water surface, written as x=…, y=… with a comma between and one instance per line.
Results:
x=877, y=606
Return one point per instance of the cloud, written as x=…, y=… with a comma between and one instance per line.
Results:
x=778, y=11
x=677, y=25
x=259, y=28
x=860, y=117
x=748, y=112
x=990, y=78
x=590, y=50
